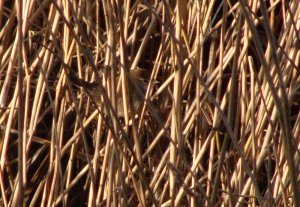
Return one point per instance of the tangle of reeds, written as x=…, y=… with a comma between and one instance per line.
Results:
x=220, y=120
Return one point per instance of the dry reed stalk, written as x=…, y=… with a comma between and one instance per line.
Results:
x=219, y=125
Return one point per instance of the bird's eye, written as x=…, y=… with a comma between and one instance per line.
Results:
x=144, y=81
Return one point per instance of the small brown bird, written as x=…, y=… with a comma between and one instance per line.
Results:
x=139, y=76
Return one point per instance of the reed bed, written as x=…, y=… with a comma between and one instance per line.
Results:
x=220, y=123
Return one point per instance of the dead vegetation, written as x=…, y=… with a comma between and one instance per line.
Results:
x=220, y=123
